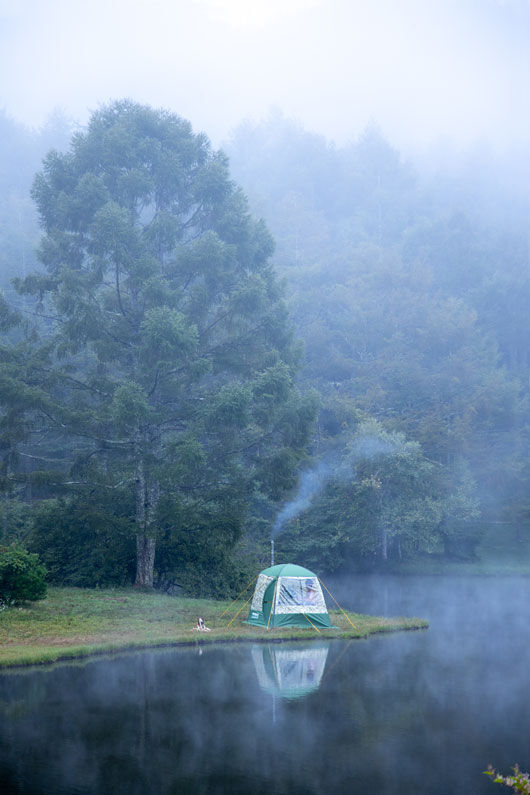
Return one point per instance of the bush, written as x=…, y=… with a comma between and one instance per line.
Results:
x=198, y=550
x=85, y=543
x=15, y=520
x=22, y=575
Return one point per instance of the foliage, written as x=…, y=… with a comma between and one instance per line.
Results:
x=383, y=500
x=85, y=542
x=161, y=368
x=198, y=547
x=22, y=576
x=519, y=782
x=15, y=518
x=411, y=301
x=171, y=356
x=21, y=151
x=459, y=528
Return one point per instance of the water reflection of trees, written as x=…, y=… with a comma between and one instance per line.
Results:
x=387, y=713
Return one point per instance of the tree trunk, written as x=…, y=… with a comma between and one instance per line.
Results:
x=5, y=521
x=145, y=560
x=384, y=543
x=5, y=515
x=147, y=497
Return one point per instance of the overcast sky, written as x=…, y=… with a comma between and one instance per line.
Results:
x=422, y=69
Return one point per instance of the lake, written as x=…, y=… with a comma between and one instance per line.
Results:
x=422, y=711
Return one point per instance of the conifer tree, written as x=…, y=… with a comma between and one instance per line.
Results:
x=171, y=347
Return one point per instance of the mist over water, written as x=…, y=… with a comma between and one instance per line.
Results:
x=408, y=280
x=434, y=706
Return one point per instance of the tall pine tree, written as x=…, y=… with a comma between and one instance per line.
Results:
x=172, y=351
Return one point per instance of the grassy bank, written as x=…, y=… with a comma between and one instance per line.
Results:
x=75, y=622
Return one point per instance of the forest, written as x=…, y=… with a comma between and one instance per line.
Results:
x=202, y=349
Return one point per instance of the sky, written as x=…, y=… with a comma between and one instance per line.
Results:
x=423, y=70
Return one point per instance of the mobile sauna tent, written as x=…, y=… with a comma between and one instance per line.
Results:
x=288, y=596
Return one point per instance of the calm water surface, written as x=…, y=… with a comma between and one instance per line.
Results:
x=417, y=712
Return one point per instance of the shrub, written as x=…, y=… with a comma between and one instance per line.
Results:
x=198, y=550
x=85, y=543
x=22, y=575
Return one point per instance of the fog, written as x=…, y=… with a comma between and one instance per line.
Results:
x=376, y=715
x=424, y=70
x=386, y=146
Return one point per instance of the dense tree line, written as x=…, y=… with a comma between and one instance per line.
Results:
x=410, y=290
x=153, y=394
x=21, y=154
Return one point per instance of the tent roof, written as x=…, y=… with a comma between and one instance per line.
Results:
x=287, y=570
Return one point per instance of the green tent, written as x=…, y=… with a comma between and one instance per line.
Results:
x=288, y=596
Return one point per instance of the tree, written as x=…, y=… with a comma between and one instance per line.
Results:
x=172, y=354
x=409, y=298
x=85, y=541
x=382, y=501
x=21, y=151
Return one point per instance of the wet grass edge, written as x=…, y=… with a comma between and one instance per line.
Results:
x=31, y=652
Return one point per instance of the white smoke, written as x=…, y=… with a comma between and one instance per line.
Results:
x=311, y=483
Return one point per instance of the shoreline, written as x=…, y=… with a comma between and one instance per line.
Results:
x=75, y=623
x=85, y=654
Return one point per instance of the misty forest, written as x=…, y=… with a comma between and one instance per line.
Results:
x=264, y=397
x=202, y=348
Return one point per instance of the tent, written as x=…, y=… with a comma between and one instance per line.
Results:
x=289, y=670
x=288, y=596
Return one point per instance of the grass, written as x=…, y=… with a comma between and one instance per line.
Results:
x=77, y=622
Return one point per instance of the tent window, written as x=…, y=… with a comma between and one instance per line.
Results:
x=259, y=592
x=296, y=592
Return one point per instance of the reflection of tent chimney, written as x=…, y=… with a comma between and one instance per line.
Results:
x=290, y=670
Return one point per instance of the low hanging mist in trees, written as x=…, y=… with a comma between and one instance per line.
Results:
x=153, y=395
x=162, y=362
x=408, y=286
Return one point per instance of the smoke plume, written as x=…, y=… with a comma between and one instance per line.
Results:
x=310, y=484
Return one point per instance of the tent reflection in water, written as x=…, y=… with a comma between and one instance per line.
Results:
x=288, y=670
x=288, y=596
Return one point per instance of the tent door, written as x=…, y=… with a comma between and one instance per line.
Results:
x=268, y=597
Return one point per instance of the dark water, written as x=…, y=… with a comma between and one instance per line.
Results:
x=417, y=712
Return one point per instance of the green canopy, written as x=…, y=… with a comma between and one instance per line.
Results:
x=287, y=595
